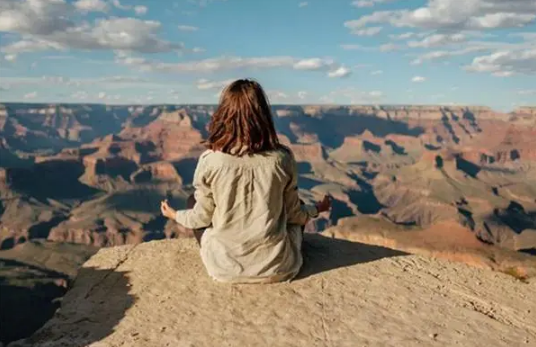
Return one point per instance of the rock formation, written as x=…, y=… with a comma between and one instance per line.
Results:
x=158, y=294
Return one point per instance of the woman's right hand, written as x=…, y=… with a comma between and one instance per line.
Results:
x=324, y=205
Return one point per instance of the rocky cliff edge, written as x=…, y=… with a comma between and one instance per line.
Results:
x=348, y=294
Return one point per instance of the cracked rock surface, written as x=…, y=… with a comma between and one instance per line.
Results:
x=348, y=294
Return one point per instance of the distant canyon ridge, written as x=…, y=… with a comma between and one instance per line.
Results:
x=94, y=174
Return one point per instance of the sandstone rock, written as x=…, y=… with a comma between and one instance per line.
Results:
x=348, y=294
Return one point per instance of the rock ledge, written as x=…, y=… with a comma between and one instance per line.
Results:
x=349, y=294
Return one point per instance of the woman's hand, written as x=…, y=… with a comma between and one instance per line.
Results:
x=167, y=211
x=324, y=205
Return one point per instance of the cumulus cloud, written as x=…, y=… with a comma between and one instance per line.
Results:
x=355, y=47
x=91, y=6
x=418, y=79
x=372, y=31
x=276, y=96
x=470, y=48
x=303, y=4
x=51, y=25
x=506, y=63
x=204, y=84
x=187, y=28
x=227, y=63
x=340, y=72
x=41, y=17
x=369, y=3
x=10, y=57
x=389, y=47
x=449, y=14
x=110, y=82
x=302, y=94
x=140, y=10
x=527, y=92
x=127, y=34
x=403, y=36
x=437, y=40
x=203, y=3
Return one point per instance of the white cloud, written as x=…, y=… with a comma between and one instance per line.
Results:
x=57, y=25
x=42, y=17
x=403, y=36
x=187, y=28
x=225, y=63
x=506, y=63
x=204, y=84
x=369, y=3
x=389, y=47
x=377, y=72
x=302, y=95
x=91, y=6
x=312, y=64
x=303, y=4
x=101, y=95
x=527, y=36
x=140, y=10
x=127, y=34
x=503, y=74
x=31, y=95
x=449, y=14
x=527, y=92
x=355, y=47
x=118, y=5
x=372, y=31
x=418, y=79
x=437, y=40
x=276, y=96
x=340, y=72
x=443, y=54
x=203, y=3
x=10, y=57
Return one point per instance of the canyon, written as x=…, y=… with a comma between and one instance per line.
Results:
x=456, y=182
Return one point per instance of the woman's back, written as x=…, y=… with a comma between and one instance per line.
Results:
x=254, y=236
x=246, y=193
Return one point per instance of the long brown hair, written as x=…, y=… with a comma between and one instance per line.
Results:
x=242, y=123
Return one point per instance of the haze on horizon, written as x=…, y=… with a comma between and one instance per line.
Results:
x=303, y=52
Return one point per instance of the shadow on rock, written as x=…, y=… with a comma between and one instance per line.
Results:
x=323, y=253
x=91, y=309
x=28, y=298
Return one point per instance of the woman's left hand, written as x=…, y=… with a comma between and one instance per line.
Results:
x=167, y=211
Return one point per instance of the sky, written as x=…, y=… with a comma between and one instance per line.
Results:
x=447, y=52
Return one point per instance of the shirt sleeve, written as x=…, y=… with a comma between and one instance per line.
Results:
x=297, y=213
x=200, y=216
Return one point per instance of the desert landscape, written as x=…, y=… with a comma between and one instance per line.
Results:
x=449, y=182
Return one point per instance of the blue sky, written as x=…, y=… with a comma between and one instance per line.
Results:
x=475, y=52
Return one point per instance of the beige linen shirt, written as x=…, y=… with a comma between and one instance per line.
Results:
x=250, y=208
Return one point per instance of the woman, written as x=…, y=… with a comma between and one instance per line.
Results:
x=246, y=197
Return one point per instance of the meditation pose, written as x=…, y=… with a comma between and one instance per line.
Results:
x=245, y=212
